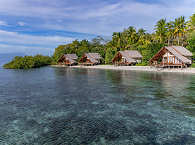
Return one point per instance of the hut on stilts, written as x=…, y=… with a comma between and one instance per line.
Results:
x=90, y=59
x=171, y=57
x=68, y=59
x=127, y=57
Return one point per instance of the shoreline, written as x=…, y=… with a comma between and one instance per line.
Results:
x=134, y=68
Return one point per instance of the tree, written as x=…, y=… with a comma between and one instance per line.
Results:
x=110, y=53
x=28, y=62
x=59, y=51
x=98, y=45
x=117, y=40
x=170, y=32
x=166, y=33
x=191, y=23
x=191, y=37
x=179, y=29
x=149, y=51
x=191, y=43
x=161, y=30
x=142, y=36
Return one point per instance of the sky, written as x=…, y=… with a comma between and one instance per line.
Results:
x=39, y=26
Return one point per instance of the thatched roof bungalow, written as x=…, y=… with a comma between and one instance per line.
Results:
x=172, y=56
x=68, y=59
x=90, y=59
x=127, y=57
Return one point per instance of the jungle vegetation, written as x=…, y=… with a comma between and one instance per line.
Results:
x=166, y=33
x=28, y=62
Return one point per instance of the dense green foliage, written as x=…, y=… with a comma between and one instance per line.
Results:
x=28, y=62
x=177, y=32
x=81, y=47
x=191, y=35
x=193, y=65
x=191, y=43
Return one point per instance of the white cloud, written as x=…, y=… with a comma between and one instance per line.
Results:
x=21, y=24
x=29, y=43
x=92, y=16
x=116, y=17
x=3, y=23
x=27, y=50
x=15, y=37
x=102, y=11
x=32, y=9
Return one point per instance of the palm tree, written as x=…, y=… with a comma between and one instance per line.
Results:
x=117, y=40
x=142, y=36
x=161, y=30
x=191, y=24
x=132, y=35
x=180, y=29
x=170, y=32
x=129, y=37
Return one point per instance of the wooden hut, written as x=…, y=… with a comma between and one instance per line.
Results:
x=172, y=56
x=127, y=57
x=90, y=59
x=68, y=59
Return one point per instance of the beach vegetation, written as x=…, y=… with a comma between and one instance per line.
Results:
x=193, y=65
x=28, y=62
x=166, y=33
x=141, y=64
x=80, y=47
x=176, y=32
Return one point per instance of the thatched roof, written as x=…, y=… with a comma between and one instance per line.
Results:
x=94, y=57
x=180, y=52
x=70, y=57
x=131, y=53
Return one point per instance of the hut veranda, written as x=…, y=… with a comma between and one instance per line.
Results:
x=90, y=59
x=172, y=56
x=68, y=59
x=127, y=57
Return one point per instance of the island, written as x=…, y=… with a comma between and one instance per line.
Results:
x=124, y=47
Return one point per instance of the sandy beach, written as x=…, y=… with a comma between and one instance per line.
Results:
x=135, y=68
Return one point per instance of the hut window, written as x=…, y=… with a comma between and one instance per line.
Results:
x=123, y=59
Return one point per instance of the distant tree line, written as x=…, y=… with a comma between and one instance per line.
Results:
x=177, y=32
x=28, y=62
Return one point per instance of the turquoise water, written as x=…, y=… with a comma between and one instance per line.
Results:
x=67, y=106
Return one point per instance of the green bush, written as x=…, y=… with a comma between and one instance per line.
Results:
x=193, y=65
x=141, y=64
x=28, y=62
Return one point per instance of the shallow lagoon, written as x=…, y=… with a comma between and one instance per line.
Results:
x=71, y=106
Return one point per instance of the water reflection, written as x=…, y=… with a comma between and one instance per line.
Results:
x=179, y=87
x=86, y=106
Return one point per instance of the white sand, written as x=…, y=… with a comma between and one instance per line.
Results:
x=135, y=68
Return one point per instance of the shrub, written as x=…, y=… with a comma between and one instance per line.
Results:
x=28, y=62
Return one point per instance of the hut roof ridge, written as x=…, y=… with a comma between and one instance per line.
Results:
x=182, y=50
x=131, y=53
x=178, y=55
x=93, y=57
x=71, y=56
x=127, y=56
